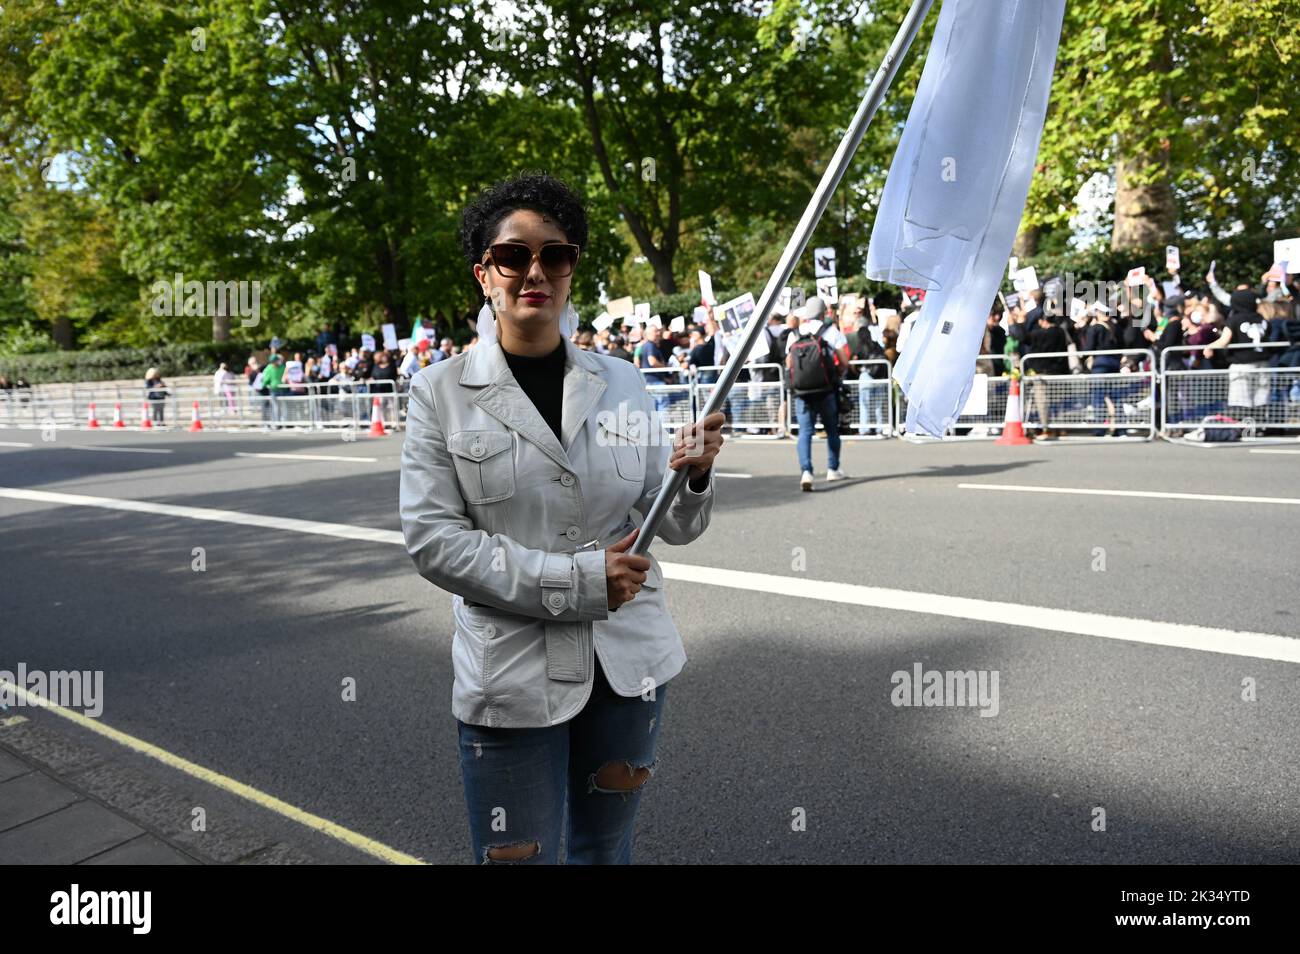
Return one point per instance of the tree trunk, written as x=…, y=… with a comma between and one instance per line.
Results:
x=221, y=325
x=61, y=332
x=1026, y=245
x=663, y=266
x=1145, y=215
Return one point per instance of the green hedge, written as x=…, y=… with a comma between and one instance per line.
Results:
x=123, y=364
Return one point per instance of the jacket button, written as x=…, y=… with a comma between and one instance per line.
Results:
x=573, y=533
x=556, y=600
x=476, y=449
x=490, y=630
x=566, y=479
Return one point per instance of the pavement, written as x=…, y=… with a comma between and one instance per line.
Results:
x=1137, y=602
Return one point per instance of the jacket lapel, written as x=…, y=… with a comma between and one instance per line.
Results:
x=503, y=398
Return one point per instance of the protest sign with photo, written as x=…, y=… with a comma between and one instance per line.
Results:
x=733, y=315
x=824, y=262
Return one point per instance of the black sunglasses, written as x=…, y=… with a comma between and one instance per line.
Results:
x=514, y=259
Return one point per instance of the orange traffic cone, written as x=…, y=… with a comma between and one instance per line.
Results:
x=117, y=414
x=92, y=423
x=145, y=423
x=377, y=420
x=1013, y=429
x=195, y=423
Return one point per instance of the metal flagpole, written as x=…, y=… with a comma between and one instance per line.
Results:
x=794, y=248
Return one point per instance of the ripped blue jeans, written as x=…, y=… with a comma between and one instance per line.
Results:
x=519, y=782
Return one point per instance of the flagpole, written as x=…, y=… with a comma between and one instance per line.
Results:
x=839, y=164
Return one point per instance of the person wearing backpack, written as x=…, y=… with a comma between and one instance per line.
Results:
x=818, y=354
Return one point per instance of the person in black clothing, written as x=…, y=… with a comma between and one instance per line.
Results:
x=1045, y=337
x=873, y=399
x=617, y=350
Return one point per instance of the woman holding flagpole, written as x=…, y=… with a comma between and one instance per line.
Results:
x=525, y=458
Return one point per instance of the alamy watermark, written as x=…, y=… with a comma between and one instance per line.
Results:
x=195, y=298
x=70, y=689
x=952, y=688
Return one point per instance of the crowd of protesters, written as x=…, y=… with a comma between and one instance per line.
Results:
x=854, y=338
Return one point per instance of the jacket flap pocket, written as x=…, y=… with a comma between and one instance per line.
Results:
x=479, y=445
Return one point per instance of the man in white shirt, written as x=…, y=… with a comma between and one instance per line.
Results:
x=822, y=403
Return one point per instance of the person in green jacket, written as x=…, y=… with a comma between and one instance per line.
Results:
x=273, y=381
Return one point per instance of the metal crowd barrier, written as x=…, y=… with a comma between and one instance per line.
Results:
x=1249, y=397
x=1107, y=404
x=755, y=408
x=870, y=407
x=672, y=396
x=1253, y=397
x=309, y=407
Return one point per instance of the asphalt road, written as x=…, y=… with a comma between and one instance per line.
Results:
x=785, y=704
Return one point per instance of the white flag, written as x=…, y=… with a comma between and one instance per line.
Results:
x=957, y=186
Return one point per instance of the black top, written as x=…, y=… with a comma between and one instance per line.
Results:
x=542, y=379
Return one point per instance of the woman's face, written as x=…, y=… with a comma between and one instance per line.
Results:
x=535, y=299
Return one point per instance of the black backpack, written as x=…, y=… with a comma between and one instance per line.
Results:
x=813, y=363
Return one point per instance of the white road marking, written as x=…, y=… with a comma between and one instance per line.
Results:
x=1270, y=450
x=16, y=444
x=120, y=450
x=722, y=473
x=363, y=460
x=343, y=530
x=1126, y=629
x=1158, y=494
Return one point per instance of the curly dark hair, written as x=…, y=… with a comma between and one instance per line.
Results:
x=538, y=191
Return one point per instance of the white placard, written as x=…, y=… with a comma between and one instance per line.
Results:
x=390, y=336
x=602, y=321
x=403, y=344
x=1288, y=250
x=620, y=307
x=977, y=402
x=1013, y=266
x=1025, y=280
x=824, y=263
x=367, y=342
x=678, y=324
x=654, y=321
x=1172, y=261
x=706, y=289
x=293, y=371
x=700, y=315
x=827, y=290
x=642, y=312
x=1136, y=276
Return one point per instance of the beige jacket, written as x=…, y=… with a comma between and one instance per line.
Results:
x=514, y=524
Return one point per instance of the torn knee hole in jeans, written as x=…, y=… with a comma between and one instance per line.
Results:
x=620, y=778
x=511, y=853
